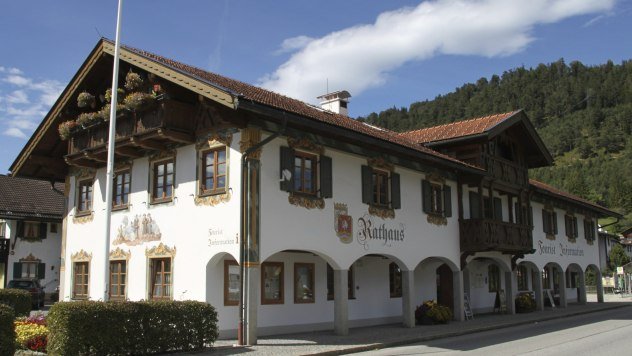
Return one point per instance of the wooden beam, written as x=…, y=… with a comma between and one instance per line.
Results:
x=80, y=162
x=129, y=152
x=148, y=144
x=176, y=136
x=95, y=157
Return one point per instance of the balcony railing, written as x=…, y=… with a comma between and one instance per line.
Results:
x=167, y=122
x=478, y=235
x=507, y=171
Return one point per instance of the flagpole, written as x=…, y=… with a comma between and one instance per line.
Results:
x=109, y=179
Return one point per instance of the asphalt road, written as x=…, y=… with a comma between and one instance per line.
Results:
x=605, y=333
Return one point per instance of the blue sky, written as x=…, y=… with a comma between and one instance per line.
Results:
x=386, y=53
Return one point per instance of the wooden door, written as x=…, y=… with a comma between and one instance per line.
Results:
x=445, y=294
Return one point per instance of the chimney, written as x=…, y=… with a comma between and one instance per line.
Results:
x=336, y=102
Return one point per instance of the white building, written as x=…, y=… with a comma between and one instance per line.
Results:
x=343, y=224
x=31, y=213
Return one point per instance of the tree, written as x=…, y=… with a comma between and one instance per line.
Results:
x=618, y=257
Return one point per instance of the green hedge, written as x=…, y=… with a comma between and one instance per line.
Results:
x=18, y=299
x=7, y=330
x=137, y=328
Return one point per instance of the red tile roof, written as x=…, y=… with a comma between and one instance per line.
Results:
x=457, y=129
x=281, y=102
x=561, y=193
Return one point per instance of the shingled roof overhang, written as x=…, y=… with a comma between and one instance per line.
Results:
x=30, y=199
x=485, y=128
x=549, y=191
x=238, y=96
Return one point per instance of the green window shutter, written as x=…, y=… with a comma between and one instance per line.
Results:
x=367, y=185
x=326, y=184
x=554, y=216
x=42, y=230
x=517, y=218
x=17, y=270
x=41, y=270
x=530, y=216
x=396, y=199
x=567, y=225
x=287, y=163
x=545, y=221
x=447, y=201
x=19, y=231
x=575, y=229
x=426, y=196
x=475, y=206
x=498, y=209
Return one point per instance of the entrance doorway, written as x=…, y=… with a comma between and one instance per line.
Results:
x=445, y=294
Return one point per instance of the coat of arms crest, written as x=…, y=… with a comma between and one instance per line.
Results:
x=343, y=223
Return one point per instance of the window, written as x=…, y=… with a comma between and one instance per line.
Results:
x=395, y=280
x=303, y=283
x=29, y=267
x=213, y=171
x=380, y=188
x=118, y=279
x=523, y=214
x=571, y=226
x=162, y=184
x=589, y=230
x=330, y=283
x=572, y=279
x=232, y=283
x=436, y=198
x=84, y=198
x=122, y=182
x=53, y=228
x=80, y=278
x=160, y=278
x=546, y=280
x=272, y=283
x=31, y=230
x=493, y=276
x=523, y=278
x=306, y=173
x=549, y=222
x=2, y=229
x=487, y=213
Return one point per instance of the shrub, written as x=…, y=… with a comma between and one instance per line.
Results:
x=66, y=128
x=119, y=97
x=85, y=100
x=139, y=101
x=104, y=113
x=18, y=299
x=432, y=312
x=525, y=303
x=100, y=328
x=7, y=332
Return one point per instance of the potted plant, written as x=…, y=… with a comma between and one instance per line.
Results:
x=85, y=100
x=525, y=303
x=104, y=113
x=138, y=101
x=87, y=119
x=430, y=312
x=66, y=128
x=108, y=95
x=133, y=81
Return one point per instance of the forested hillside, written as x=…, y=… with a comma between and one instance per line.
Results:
x=583, y=113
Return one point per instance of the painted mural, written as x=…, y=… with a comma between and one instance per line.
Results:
x=137, y=230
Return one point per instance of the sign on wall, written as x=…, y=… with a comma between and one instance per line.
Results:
x=547, y=248
x=343, y=223
x=217, y=237
x=372, y=231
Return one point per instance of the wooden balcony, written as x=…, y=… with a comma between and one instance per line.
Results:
x=507, y=171
x=167, y=123
x=479, y=235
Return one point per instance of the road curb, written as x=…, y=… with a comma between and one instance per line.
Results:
x=383, y=345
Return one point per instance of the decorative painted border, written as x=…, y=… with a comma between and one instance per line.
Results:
x=120, y=254
x=380, y=212
x=250, y=137
x=83, y=219
x=30, y=258
x=306, y=201
x=81, y=256
x=305, y=143
x=212, y=200
x=161, y=250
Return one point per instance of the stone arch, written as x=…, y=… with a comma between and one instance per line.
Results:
x=331, y=261
x=453, y=266
x=575, y=279
x=486, y=278
x=554, y=280
x=534, y=280
x=597, y=284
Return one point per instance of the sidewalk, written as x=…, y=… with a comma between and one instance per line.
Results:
x=370, y=338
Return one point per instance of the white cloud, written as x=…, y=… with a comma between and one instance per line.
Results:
x=24, y=101
x=14, y=132
x=360, y=57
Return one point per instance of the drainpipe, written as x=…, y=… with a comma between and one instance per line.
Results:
x=244, y=241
